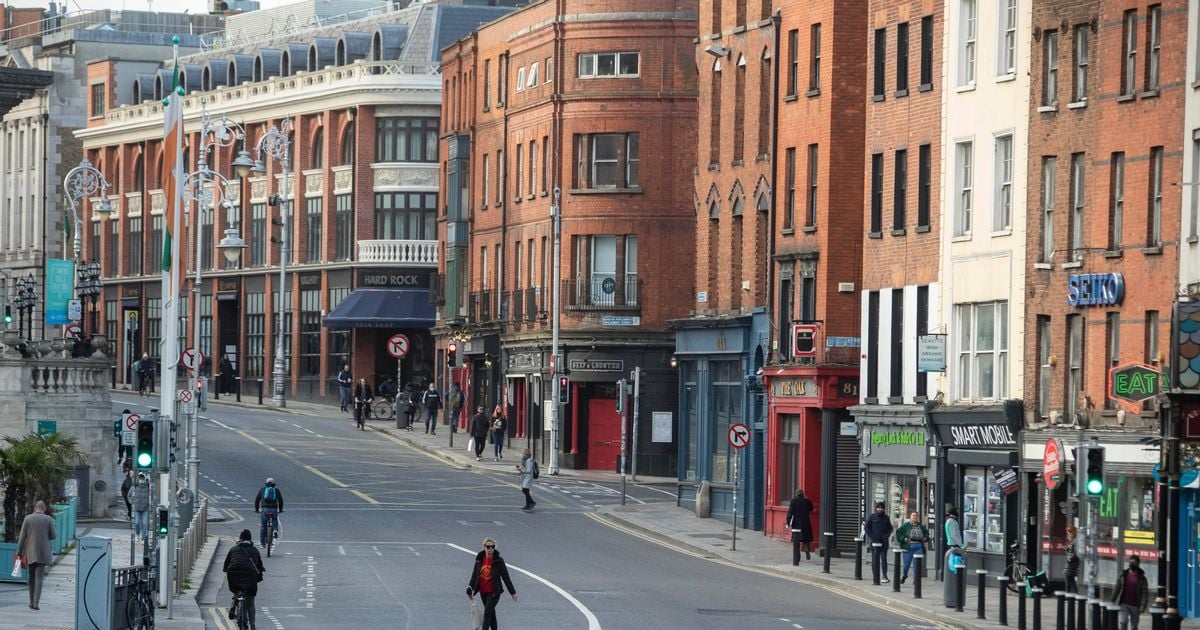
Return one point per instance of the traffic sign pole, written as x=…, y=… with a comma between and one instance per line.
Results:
x=739, y=437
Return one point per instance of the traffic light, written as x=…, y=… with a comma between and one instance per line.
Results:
x=452, y=354
x=564, y=389
x=144, y=449
x=164, y=520
x=8, y=313
x=1093, y=483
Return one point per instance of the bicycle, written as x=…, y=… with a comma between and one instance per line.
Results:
x=1021, y=575
x=272, y=531
x=139, y=609
x=383, y=409
x=240, y=612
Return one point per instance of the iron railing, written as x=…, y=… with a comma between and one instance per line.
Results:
x=603, y=293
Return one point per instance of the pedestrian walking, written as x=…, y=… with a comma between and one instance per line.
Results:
x=479, y=432
x=529, y=471
x=454, y=402
x=362, y=403
x=1132, y=592
x=1071, y=570
x=33, y=544
x=126, y=486
x=489, y=578
x=136, y=374
x=139, y=498
x=954, y=538
x=431, y=400
x=879, y=529
x=408, y=405
x=147, y=372
x=911, y=538
x=499, y=425
x=799, y=518
x=345, y=382
x=244, y=570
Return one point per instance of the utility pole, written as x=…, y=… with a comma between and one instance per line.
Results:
x=555, y=358
x=637, y=397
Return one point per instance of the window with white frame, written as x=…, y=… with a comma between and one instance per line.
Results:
x=606, y=277
x=1050, y=68
x=1074, y=364
x=521, y=79
x=1129, y=52
x=1075, y=219
x=1044, y=367
x=1006, y=49
x=1116, y=201
x=1049, y=189
x=532, y=79
x=1002, y=213
x=607, y=160
x=1081, y=63
x=982, y=350
x=532, y=167
x=1154, y=220
x=613, y=64
x=963, y=179
x=968, y=26
x=486, y=180
x=519, y=178
x=1153, y=44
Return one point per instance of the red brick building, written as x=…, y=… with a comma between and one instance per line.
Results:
x=1104, y=218
x=600, y=105
x=901, y=221
x=817, y=258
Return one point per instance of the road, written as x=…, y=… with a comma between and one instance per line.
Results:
x=376, y=534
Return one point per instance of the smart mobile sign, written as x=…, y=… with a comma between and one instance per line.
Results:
x=1131, y=384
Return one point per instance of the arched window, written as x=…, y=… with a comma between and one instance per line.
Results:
x=139, y=174
x=318, y=149
x=348, y=145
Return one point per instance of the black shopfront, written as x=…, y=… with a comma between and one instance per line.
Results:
x=976, y=472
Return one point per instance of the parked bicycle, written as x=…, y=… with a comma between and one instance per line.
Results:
x=383, y=409
x=139, y=608
x=1021, y=575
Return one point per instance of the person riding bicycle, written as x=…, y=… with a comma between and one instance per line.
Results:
x=270, y=500
x=244, y=569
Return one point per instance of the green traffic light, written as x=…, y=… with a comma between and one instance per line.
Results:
x=1095, y=486
x=143, y=460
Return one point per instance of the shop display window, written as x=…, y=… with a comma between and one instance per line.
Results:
x=898, y=493
x=983, y=512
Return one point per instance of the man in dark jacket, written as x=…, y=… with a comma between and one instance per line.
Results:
x=270, y=500
x=345, y=382
x=878, y=529
x=431, y=400
x=1132, y=592
x=486, y=578
x=479, y=431
x=244, y=569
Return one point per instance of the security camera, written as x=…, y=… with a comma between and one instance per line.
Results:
x=557, y=191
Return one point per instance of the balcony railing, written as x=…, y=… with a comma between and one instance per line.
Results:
x=481, y=306
x=533, y=308
x=516, y=304
x=402, y=252
x=603, y=294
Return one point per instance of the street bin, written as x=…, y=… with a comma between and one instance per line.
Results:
x=955, y=568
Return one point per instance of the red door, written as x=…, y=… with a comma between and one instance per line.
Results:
x=604, y=434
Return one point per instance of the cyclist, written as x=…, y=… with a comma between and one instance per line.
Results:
x=270, y=500
x=244, y=569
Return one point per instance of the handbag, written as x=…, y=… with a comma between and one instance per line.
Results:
x=18, y=564
x=476, y=615
x=471, y=444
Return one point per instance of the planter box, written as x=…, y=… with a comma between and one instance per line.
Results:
x=6, y=564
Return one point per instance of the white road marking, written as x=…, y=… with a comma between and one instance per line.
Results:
x=414, y=551
x=377, y=551
x=341, y=550
x=278, y=624
x=593, y=623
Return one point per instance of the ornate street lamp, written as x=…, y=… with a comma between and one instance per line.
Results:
x=275, y=144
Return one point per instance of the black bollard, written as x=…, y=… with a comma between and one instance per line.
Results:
x=896, y=553
x=980, y=587
x=1003, y=580
x=1156, y=618
x=1110, y=616
x=876, y=554
x=237, y=383
x=1097, y=619
x=828, y=551
x=858, y=543
x=1081, y=612
x=1060, y=613
x=918, y=568
x=260, y=390
x=1021, y=608
x=1037, y=607
x=962, y=587
x=1070, y=599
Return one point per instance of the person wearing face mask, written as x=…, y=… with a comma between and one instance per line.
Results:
x=1132, y=592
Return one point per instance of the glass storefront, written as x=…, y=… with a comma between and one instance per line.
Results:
x=900, y=494
x=983, y=512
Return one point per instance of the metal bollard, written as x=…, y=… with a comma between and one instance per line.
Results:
x=896, y=556
x=260, y=390
x=918, y=568
x=1081, y=612
x=1060, y=613
x=1037, y=607
x=237, y=383
x=828, y=551
x=962, y=587
x=858, y=544
x=1003, y=580
x=1097, y=620
x=1070, y=599
x=876, y=553
x=1021, y=595
x=981, y=579
x=1110, y=616
x=1156, y=618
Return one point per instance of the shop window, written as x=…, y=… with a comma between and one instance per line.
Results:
x=339, y=340
x=983, y=512
x=898, y=493
x=727, y=410
x=789, y=457
x=255, y=333
x=310, y=333
x=687, y=374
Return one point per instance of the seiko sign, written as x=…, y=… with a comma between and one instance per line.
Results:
x=1095, y=289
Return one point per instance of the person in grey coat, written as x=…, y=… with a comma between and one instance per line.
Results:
x=139, y=498
x=528, y=470
x=37, y=530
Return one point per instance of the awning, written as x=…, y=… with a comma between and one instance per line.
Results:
x=383, y=308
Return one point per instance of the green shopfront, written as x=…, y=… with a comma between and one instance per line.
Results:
x=893, y=461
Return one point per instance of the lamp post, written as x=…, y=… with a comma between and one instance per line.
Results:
x=26, y=299
x=207, y=190
x=274, y=144
x=87, y=287
x=83, y=182
x=556, y=408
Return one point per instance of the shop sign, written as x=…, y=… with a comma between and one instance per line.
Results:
x=1095, y=289
x=891, y=445
x=931, y=353
x=1132, y=383
x=1052, y=463
x=847, y=387
x=131, y=290
x=1006, y=478
x=596, y=365
x=897, y=436
x=392, y=279
x=794, y=387
x=60, y=284
x=310, y=279
x=979, y=435
x=1191, y=421
x=804, y=340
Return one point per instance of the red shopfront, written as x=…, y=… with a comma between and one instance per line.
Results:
x=812, y=446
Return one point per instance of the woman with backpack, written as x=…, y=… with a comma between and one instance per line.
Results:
x=528, y=469
x=498, y=425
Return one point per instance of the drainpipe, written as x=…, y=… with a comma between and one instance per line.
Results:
x=776, y=18
x=501, y=275
x=45, y=213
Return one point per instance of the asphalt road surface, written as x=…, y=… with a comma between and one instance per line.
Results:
x=376, y=534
